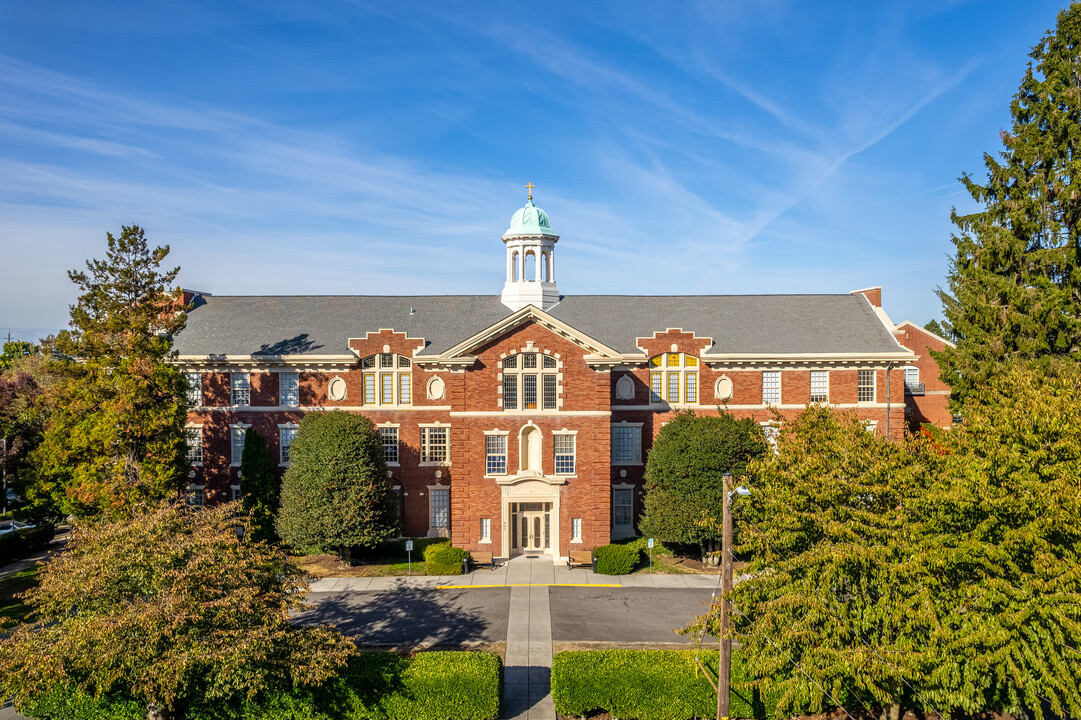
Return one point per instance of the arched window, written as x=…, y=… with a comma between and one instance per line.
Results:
x=673, y=379
x=530, y=382
x=529, y=274
x=516, y=260
x=387, y=380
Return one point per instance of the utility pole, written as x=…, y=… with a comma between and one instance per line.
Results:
x=724, y=666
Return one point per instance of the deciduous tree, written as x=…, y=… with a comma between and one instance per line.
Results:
x=1014, y=287
x=172, y=608
x=114, y=442
x=335, y=493
x=684, y=475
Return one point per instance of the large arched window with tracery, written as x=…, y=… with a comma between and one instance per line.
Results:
x=387, y=379
x=673, y=379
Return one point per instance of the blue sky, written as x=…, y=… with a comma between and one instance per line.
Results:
x=381, y=148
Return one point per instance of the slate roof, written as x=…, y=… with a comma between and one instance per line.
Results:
x=322, y=325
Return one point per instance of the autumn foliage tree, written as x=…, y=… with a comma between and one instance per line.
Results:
x=114, y=442
x=171, y=608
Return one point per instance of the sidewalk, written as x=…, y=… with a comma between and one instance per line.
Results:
x=55, y=545
x=521, y=571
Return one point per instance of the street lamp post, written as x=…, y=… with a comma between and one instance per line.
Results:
x=724, y=662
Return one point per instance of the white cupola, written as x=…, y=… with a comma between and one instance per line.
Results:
x=531, y=265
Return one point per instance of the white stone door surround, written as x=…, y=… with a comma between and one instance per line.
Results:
x=530, y=488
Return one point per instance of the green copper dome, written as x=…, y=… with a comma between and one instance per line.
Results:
x=530, y=221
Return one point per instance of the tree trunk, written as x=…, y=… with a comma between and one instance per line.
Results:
x=153, y=712
x=345, y=554
x=892, y=712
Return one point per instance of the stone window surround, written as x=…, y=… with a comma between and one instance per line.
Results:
x=638, y=451
x=504, y=433
x=574, y=433
x=429, y=463
x=398, y=427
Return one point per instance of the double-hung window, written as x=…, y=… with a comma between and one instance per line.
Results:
x=195, y=388
x=865, y=386
x=389, y=436
x=285, y=437
x=820, y=386
x=435, y=445
x=564, y=453
x=771, y=387
x=673, y=379
x=626, y=444
x=236, y=442
x=439, y=508
x=240, y=384
x=622, y=512
x=194, y=436
x=530, y=382
x=288, y=389
x=495, y=451
x=912, y=377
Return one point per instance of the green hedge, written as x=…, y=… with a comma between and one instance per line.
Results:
x=617, y=559
x=443, y=559
x=19, y=544
x=647, y=685
x=374, y=686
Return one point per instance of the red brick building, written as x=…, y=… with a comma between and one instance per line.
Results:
x=521, y=422
x=926, y=395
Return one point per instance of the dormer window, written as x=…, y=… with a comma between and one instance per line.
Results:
x=387, y=379
x=673, y=379
x=530, y=382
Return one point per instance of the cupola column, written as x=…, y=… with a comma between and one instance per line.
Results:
x=530, y=233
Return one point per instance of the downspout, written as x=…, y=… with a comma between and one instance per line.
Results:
x=889, y=366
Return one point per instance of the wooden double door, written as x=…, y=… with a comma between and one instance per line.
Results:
x=532, y=528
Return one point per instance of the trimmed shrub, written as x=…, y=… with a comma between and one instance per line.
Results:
x=373, y=686
x=18, y=544
x=647, y=685
x=443, y=559
x=617, y=559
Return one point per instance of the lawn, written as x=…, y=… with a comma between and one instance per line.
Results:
x=11, y=607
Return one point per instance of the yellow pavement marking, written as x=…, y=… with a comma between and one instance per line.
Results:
x=597, y=585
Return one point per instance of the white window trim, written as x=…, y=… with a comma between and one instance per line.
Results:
x=565, y=431
x=239, y=372
x=577, y=540
x=236, y=492
x=429, y=463
x=432, y=530
x=504, y=433
x=540, y=372
x=682, y=370
x=281, y=447
x=780, y=387
x=485, y=540
x=289, y=371
x=871, y=426
x=199, y=375
x=398, y=427
x=874, y=387
x=202, y=447
x=192, y=487
x=640, y=454
x=378, y=372
x=811, y=384
x=239, y=426
x=774, y=424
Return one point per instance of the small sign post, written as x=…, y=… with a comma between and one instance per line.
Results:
x=650, y=544
x=409, y=551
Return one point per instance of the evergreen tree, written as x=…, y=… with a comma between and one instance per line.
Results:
x=1015, y=280
x=941, y=329
x=684, y=475
x=335, y=493
x=259, y=487
x=115, y=442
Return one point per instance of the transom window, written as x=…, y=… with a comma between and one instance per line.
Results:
x=387, y=379
x=771, y=387
x=820, y=386
x=389, y=436
x=288, y=389
x=673, y=378
x=865, y=386
x=530, y=382
x=564, y=454
x=435, y=445
x=495, y=451
x=240, y=384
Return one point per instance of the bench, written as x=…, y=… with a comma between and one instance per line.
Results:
x=580, y=558
x=478, y=558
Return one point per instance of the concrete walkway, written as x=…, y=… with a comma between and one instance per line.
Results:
x=527, y=672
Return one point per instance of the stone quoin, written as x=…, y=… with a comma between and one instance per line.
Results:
x=520, y=422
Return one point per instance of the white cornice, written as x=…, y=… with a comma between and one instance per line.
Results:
x=526, y=314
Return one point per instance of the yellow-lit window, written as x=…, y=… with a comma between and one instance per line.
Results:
x=679, y=381
x=673, y=387
x=673, y=359
x=691, y=394
x=384, y=375
x=655, y=387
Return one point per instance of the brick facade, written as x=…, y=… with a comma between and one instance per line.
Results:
x=926, y=401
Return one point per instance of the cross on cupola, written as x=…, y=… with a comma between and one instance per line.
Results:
x=531, y=262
